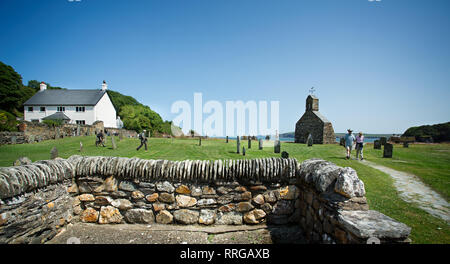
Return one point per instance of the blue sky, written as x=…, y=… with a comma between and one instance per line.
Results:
x=379, y=67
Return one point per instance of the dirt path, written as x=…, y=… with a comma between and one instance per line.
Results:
x=84, y=233
x=413, y=190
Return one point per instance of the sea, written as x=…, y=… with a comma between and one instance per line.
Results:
x=286, y=139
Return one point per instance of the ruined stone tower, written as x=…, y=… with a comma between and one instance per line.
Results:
x=314, y=123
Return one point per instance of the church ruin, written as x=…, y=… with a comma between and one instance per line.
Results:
x=314, y=123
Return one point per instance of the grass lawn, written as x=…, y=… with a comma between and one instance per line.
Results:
x=423, y=160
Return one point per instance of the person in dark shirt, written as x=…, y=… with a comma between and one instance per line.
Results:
x=100, y=138
x=143, y=139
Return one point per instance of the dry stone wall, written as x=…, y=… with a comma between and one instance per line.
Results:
x=326, y=200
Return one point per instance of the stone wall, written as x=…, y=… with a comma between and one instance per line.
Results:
x=36, y=132
x=326, y=200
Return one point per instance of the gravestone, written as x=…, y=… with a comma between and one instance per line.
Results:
x=309, y=140
x=113, y=142
x=57, y=133
x=78, y=130
x=405, y=144
x=376, y=144
x=388, y=149
x=243, y=151
x=226, y=140
x=120, y=136
x=199, y=141
x=383, y=140
x=238, y=143
x=260, y=147
x=22, y=161
x=342, y=141
x=31, y=139
x=285, y=155
x=13, y=139
x=249, y=143
x=277, y=146
x=54, y=153
x=81, y=146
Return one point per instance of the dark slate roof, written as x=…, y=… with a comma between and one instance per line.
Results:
x=66, y=97
x=57, y=116
x=319, y=115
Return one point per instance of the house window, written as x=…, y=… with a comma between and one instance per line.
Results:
x=35, y=120
x=30, y=109
x=81, y=122
x=42, y=108
x=61, y=108
x=80, y=109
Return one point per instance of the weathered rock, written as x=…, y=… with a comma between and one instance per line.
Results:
x=159, y=206
x=258, y=199
x=22, y=161
x=348, y=184
x=231, y=218
x=89, y=215
x=245, y=196
x=137, y=195
x=139, y=216
x=206, y=190
x=73, y=188
x=127, y=186
x=110, y=184
x=152, y=197
x=185, y=201
x=206, y=202
x=207, y=217
x=183, y=189
x=319, y=173
x=244, y=207
x=267, y=208
x=258, y=188
x=283, y=207
x=166, y=197
x=223, y=190
x=227, y=208
x=366, y=224
x=122, y=204
x=103, y=200
x=109, y=215
x=290, y=192
x=196, y=191
x=164, y=217
x=165, y=187
x=185, y=216
x=54, y=153
x=240, y=189
x=87, y=197
x=270, y=197
x=254, y=216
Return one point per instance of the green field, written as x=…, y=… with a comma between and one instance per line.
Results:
x=429, y=162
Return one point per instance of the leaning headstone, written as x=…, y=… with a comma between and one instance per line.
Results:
x=383, y=140
x=277, y=146
x=13, y=139
x=309, y=140
x=226, y=141
x=249, y=143
x=243, y=151
x=285, y=155
x=342, y=141
x=120, y=136
x=238, y=143
x=376, y=144
x=260, y=144
x=54, y=153
x=81, y=146
x=388, y=148
x=57, y=133
x=405, y=144
x=113, y=142
x=78, y=130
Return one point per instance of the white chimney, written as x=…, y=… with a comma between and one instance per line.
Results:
x=42, y=86
x=104, y=86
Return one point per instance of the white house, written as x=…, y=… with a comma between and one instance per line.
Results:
x=73, y=106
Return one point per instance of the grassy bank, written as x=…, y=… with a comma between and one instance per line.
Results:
x=381, y=194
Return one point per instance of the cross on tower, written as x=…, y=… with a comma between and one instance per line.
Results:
x=312, y=90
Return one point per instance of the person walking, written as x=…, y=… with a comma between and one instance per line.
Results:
x=359, y=145
x=100, y=137
x=143, y=139
x=349, y=139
